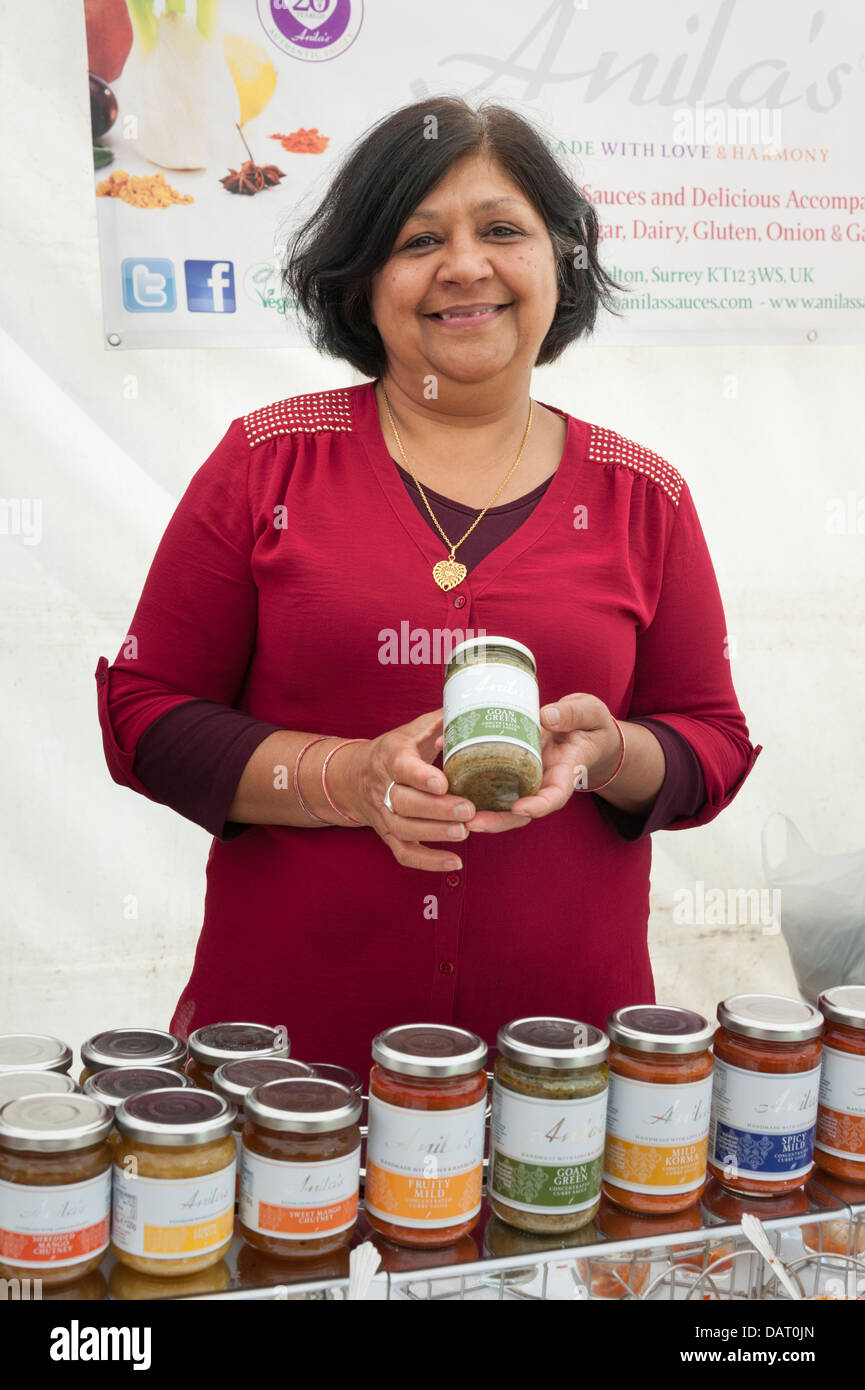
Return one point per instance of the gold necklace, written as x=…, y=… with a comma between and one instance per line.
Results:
x=449, y=573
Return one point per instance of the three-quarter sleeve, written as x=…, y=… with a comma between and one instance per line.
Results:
x=190, y=639
x=682, y=793
x=682, y=674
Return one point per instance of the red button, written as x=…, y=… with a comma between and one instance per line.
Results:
x=452, y=880
x=460, y=601
x=447, y=967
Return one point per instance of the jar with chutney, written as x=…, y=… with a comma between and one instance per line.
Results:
x=492, y=733
x=840, y=1142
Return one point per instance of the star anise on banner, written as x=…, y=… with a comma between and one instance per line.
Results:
x=251, y=178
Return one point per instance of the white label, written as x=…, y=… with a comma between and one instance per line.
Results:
x=841, y=1115
x=544, y=1154
x=763, y=1122
x=171, y=1218
x=424, y=1167
x=506, y=697
x=49, y=1227
x=657, y=1135
x=299, y=1201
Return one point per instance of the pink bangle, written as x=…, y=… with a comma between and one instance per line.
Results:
x=324, y=782
x=618, y=764
x=303, y=804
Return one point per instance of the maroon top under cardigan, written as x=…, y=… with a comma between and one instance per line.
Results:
x=192, y=757
x=320, y=929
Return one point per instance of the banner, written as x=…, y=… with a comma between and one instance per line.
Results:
x=721, y=143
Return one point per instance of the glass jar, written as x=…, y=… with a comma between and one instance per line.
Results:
x=174, y=1171
x=548, y=1122
x=55, y=1186
x=658, y=1108
x=299, y=1167
x=33, y=1052
x=425, y=1147
x=117, y=1084
x=31, y=1083
x=766, y=1087
x=127, y=1284
x=131, y=1047
x=216, y=1043
x=840, y=1140
x=234, y=1081
x=492, y=733
x=844, y=1234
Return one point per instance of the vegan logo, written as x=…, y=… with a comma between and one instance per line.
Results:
x=148, y=285
x=210, y=287
x=312, y=30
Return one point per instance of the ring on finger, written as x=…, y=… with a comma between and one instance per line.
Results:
x=387, y=801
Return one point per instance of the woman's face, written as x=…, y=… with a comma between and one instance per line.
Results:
x=473, y=243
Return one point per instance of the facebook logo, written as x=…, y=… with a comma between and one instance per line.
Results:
x=210, y=287
x=148, y=285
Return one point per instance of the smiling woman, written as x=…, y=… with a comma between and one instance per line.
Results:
x=450, y=256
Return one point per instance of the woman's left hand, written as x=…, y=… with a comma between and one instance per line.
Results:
x=580, y=749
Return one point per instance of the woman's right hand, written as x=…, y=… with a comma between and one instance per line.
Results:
x=423, y=808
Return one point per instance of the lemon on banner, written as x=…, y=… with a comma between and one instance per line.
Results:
x=253, y=73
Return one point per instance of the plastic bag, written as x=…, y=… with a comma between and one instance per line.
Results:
x=822, y=910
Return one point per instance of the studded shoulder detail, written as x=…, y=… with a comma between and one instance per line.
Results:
x=606, y=446
x=309, y=414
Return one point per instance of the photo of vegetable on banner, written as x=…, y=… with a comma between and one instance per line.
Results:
x=174, y=89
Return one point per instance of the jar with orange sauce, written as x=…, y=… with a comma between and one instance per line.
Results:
x=131, y=1047
x=174, y=1179
x=658, y=1109
x=425, y=1147
x=55, y=1186
x=765, y=1092
x=840, y=1142
x=299, y=1167
x=234, y=1081
x=216, y=1043
x=35, y=1052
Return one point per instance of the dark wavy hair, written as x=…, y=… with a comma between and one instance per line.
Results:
x=329, y=261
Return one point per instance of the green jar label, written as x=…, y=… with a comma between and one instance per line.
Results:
x=546, y=1155
x=491, y=701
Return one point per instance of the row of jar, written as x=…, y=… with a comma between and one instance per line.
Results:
x=646, y=1119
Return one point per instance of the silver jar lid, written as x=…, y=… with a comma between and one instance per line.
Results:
x=473, y=643
x=429, y=1049
x=660, y=1028
x=328, y=1071
x=234, y=1080
x=175, y=1117
x=558, y=1043
x=53, y=1123
x=33, y=1052
x=223, y=1042
x=132, y=1047
x=772, y=1016
x=118, y=1083
x=31, y=1083
x=305, y=1105
x=844, y=1004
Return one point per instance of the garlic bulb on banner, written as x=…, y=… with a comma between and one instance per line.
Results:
x=178, y=87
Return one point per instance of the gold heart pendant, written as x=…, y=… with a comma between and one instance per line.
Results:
x=449, y=573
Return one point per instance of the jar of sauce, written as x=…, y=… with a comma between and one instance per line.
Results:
x=492, y=733
x=131, y=1047
x=844, y=1234
x=764, y=1099
x=216, y=1043
x=729, y=1207
x=174, y=1173
x=425, y=1147
x=31, y=1083
x=840, y=1142
x=33, y=1052
x=658, y=1108
x=300, y=1167
x=547, y=1127
x=55, y=1186
x=234, y=1081
x=117, y=1084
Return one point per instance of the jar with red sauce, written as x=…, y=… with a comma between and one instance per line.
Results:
x=215, y=1043
x=840, y=1142
x=765, y=1092
x=299, y=1167
x=425, y=1148
x=234, y=1081
x=658, y=1109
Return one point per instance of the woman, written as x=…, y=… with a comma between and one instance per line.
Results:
x=281, y=684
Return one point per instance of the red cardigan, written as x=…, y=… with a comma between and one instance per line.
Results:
x=321, y=930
